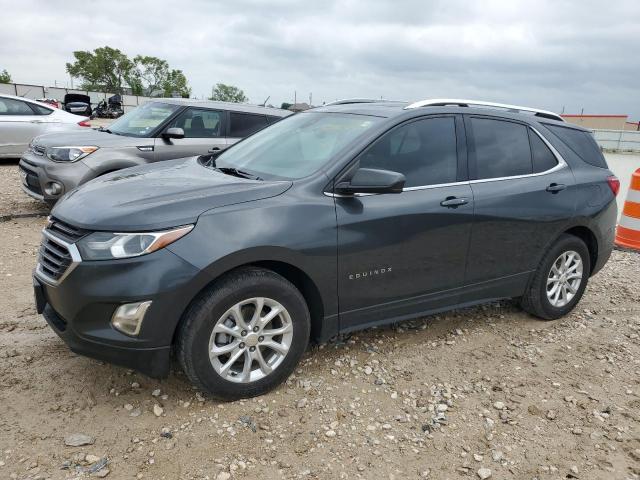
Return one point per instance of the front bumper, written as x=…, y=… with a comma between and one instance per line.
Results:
x=37, y=171
x=79, y=309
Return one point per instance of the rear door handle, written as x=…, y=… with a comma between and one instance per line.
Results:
x=556, y=187
x=214, y=150
x=454, y=202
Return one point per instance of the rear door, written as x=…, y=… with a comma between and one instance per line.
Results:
x=242, y=125
x=523, y=193
x=19, y=123
x=399, y=254
x=204, y=132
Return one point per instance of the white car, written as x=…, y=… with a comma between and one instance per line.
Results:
x=22, y=119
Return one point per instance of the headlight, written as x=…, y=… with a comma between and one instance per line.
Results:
x=69, y=154
x=107, y=246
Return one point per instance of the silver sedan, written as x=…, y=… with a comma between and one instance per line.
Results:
x=22, y=119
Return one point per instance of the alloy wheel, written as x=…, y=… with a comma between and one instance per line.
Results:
x=564, y=278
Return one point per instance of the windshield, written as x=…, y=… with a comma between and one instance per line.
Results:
x=296, y=146
x=143, y=120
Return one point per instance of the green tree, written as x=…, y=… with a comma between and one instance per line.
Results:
x=152, y=71
x=285, y=105
x=105, y=68
x=176, y=84
x=228, y=93
x=5, y=77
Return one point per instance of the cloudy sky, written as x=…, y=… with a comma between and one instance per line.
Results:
x=554, y=54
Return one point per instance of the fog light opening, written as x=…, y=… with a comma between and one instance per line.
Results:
x=53, y=188
x=128, y=317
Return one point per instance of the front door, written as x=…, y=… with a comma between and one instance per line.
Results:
x=523, y=197
x=404, y=253
x=204, y=133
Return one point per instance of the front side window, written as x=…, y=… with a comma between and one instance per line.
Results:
x=9, y=106
x=297, y=146
x=199, y=123
x=424, y=151
x=501, y=148
x=142, y=121
x=244, y=124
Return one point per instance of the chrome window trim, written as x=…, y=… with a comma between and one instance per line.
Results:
x=75, y=260
x=561, y=165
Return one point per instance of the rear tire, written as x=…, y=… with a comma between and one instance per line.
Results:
x=239, y=317
x=560, y=280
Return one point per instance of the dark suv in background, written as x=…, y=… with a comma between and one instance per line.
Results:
x=162, y=129
x=332, y=220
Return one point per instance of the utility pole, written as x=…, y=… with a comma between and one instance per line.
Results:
x=295, y=97
x=310, y=98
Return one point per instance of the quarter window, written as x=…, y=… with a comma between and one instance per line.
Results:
x=40, y=110
x=501, y=148
x=244, y=124
x=424, y=151
x=199, y=123
x=9, y=106
x=543, y=158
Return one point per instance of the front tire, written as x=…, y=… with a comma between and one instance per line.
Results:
x=244, y=335
x=560, y=280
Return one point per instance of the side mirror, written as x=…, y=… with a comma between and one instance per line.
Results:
x=173, y=132
x=369, y=180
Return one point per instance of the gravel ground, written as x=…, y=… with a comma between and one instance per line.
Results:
x=488, y=392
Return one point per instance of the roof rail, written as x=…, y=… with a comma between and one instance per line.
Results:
x=347, y=101
x=441, y=102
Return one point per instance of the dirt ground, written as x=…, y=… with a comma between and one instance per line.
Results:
x=476, y=392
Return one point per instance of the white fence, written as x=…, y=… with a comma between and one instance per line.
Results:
x=621, y=140
x=129, y=102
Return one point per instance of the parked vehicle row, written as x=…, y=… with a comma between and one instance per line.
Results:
x=158, y=130
x=339, y=218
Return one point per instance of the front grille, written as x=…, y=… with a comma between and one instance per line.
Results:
x=31, y=180
x=66, y=232
x=54, y=258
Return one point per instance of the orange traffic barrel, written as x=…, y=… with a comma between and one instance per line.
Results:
x=628, y=232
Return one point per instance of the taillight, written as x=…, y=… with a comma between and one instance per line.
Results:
x=614, y=184
x=84, y=123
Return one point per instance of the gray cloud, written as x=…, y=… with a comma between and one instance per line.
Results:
x=552, y=54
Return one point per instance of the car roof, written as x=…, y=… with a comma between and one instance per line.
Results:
x=390, y=109
x=30, y=100
x=236, y=107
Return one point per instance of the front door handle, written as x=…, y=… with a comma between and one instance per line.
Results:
x=556, y=187
x=454, y=202
x=214, y=149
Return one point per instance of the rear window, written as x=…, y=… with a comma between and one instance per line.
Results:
x=581, y=143
x=244, y=124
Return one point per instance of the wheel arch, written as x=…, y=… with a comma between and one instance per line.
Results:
x=294, y=274
x=585, y=234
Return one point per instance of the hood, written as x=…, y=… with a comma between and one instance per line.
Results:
x=158, y=196
x=90, y=137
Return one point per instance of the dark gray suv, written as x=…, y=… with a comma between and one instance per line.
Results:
x=162, y=129
x=332, y=220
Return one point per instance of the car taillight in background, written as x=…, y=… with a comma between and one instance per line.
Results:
x=614, y=184
x=84, y=123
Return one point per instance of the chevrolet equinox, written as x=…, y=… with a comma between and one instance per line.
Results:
x=343, y=217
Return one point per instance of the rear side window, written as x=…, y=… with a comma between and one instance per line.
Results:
x=582, y=143
x=424, y=151
x=244, y=124
x=543, y=157
x=40, y=110
x=501, y=148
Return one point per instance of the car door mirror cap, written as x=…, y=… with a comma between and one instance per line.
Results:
x=370, y=180
x=173, y=132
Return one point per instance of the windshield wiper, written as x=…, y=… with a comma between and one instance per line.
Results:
x=102, y=129
x=237, y=173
